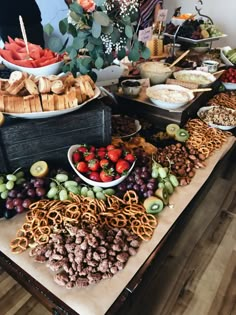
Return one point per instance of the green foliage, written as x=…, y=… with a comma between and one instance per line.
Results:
x=101, y=33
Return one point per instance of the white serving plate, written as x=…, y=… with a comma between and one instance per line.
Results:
x=193, y=75
x=138, y=128
x=54, y=68
x=223, y=57
x=92, y=182
x=168, y=105
x=229, y=85
x=206, y=108
x=53, y=113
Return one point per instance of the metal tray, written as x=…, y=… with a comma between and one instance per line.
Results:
x=195, y=41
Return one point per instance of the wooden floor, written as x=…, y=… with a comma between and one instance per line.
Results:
x=195, y=273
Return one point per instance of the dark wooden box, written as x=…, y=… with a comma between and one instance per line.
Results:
x=23, y=141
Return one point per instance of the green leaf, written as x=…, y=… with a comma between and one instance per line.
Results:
x=82, y=34
x=99, y=3
x=126, y=19
x=76, y=8
x=86, y=61
x=121, y=53
x=55, y=43
x=134, y=55
x=63, y=25
x=115, y=35
x=90, y=47
x=128, y=31
x=75, y=16
x=73, y=53
x=99, y=63
x=107, y=29
x=72, y=30
x=48, y=29
x=78, y=43
x=96, y=29
x=101, y=18
x=95, y=41
x=145, y=53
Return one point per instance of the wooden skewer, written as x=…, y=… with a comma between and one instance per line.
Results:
x=219, y=72
x=202, y=90
x=22, y=27
x=179, y=58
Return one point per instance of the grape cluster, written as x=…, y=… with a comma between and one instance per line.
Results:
x=21, y=196
x=9, y=181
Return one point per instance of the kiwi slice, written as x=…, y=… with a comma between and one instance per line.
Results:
x=171, y=129
x=39, y=169
x=163, y=194
x=153, y=205
x=181, y=135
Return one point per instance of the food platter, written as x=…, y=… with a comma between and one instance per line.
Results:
x=137, y=124
x=196, y=41
x=54, y=113
x=201, y=112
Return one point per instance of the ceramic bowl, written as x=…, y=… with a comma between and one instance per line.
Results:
x=54, y=68
x=168, y=105
x=201, y=78
x=131, y=87
x=229, y=85
x=92, y=182
x=211, y=65
x=138, y=127
x=157, y=72
x=223, y=57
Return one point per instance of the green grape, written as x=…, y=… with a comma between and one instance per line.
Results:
x=20, y=180
x=20, y=174
x=1, y=180
x=155, y=173
x=52, y=192
x=90, y=194
x=70, y=183
x=11, y=177
x=174, y=180
x=73, y=189
x=63, y=195
x=97, y=189
x=61, y=178
x=109, y=191
x=4, y=194
x=84, y=191
x=2, y=188
x=162, y=172
x=53, y=184
x=100, y=196
x=10, y=185
x=169, y=187
x=161, y=185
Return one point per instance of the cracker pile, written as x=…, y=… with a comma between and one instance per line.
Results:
x=24, y=93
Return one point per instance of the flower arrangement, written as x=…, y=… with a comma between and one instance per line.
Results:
x=101, y=30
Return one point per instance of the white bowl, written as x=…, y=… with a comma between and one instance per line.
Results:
x=150, y=92
x=92, y=182
x=156, y=71
x=131, y=91
x=206, y=108
x=195, y=76
x=54, y=68
x=201, y=49
x=229, y=86
x=223, y=56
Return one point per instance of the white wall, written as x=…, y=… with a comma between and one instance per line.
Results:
x=222, y=13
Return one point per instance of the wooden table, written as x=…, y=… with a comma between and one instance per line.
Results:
x=121, y=290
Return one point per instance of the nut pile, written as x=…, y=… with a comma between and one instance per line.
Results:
x=82, y=257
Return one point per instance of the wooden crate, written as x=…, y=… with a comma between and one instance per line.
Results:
x=23, y=142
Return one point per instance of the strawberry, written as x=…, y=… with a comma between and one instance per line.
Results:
x=94, y=165
x=130, y=157
x=95, y=176
x=107, y=175
x=88, y=156
x=122, y=166
x=82, y=148
x=114, y=155
x=76, y=157
x=82, y=167
x=92, y=148
x=110, y=147
x=104, y=163
x=101, y=154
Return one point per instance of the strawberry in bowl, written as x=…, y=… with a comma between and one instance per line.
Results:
x=105, y=166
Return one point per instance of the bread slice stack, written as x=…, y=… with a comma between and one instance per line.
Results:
x=23, y=93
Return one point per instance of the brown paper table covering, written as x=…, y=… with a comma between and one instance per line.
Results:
x=97, y=299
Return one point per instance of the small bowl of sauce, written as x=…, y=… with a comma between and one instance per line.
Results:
x=131, y=87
